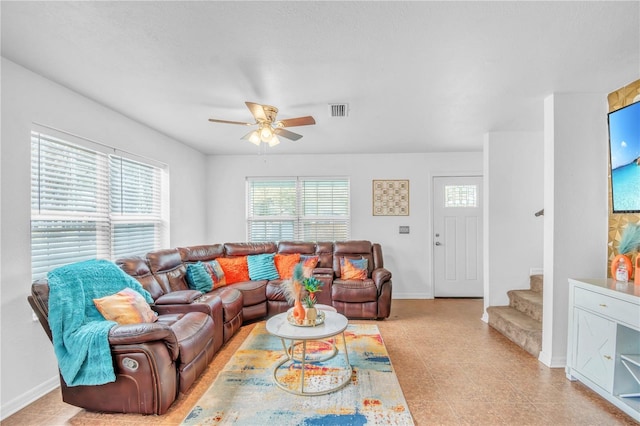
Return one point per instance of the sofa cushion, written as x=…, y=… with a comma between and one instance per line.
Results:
x=168, y=269
x=202, y=253
x=246, y=249
x=262, y=267
x=275, y=291
x=235, y=269
x=138, y=268
x=198, y=278
x=353, y=249
x=253, y=292
x=285, y=264
x=354, y=291
x=125, y=307
x=232, y=302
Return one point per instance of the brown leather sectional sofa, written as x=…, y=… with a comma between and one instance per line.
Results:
x=154, y=362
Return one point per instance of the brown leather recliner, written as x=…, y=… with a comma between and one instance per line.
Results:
x=368, y=298
x=169, y=269
x=153, y=361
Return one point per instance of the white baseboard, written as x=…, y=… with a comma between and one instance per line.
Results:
x=28, y=397
x=397, y=295
x=552, y=362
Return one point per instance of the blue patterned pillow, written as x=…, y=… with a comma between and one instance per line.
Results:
x=262, y=267
x=198, y=278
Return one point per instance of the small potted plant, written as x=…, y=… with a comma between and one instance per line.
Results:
x=312, y=285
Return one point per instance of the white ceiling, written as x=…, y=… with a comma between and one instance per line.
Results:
x=418, y=76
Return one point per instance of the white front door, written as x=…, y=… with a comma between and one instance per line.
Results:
x=457, y=236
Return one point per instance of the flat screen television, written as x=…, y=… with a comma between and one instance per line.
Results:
x=624, y=154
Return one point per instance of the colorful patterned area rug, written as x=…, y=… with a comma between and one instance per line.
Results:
x=244, y=393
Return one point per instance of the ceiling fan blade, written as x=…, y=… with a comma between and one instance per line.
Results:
x=287, y=134
x=215, y=120
x=300, y=121
x=257, y=111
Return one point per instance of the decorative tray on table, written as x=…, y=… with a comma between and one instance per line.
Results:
x=306, y=323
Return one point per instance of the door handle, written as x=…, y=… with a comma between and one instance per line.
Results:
x=438, y=243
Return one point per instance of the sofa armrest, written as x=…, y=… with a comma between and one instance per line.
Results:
x=130, y=334
x=380, y=276
x=178, y=297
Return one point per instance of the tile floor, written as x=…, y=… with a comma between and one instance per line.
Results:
x=453, y=368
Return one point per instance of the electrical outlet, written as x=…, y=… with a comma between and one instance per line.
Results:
x=404, y=229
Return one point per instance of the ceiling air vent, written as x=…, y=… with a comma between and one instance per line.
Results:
x=338, y=110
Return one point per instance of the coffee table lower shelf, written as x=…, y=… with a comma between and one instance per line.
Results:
x=321, y=384
x=308, y=373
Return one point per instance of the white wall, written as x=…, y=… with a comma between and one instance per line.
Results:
x=408, y=257
x=514, y=191
x=576, y=208
x=28, y=364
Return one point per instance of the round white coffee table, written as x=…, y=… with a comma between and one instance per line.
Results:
x=333, y=325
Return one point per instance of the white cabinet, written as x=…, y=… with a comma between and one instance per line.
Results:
x=595, y=348
x=604, y=340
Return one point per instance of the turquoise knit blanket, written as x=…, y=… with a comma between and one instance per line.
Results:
x=80, y=332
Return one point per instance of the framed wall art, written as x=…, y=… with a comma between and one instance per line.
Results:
x=391, y=197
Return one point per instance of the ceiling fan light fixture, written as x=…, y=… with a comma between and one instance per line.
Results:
x=254, y=138
x=274, y=141
x=266, y=133
x=268, y=128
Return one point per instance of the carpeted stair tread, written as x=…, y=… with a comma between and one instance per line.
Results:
x=518, y=327
x=536, y=283
x=527, y=301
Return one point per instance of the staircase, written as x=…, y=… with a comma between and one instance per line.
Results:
x=521, y=321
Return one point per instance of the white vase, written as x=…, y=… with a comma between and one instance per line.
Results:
x=310, y=315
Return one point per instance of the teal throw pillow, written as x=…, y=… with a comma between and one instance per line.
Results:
x=198, y=278
x=262, y=267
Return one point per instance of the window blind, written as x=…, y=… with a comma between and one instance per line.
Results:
x=298, y=208
x=88, y=204
x=325, y=210
x=135, y=196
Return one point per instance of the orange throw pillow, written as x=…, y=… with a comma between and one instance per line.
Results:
x=285, y=264
x=309, y=263
x=235, y=269
x=353, y=269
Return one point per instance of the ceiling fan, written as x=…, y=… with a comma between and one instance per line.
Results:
x=268, y=128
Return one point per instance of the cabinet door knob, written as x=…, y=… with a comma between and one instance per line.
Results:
x=603, y=305
x=607, y=357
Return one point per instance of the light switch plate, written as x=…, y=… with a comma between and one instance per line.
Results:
x=404, y=229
